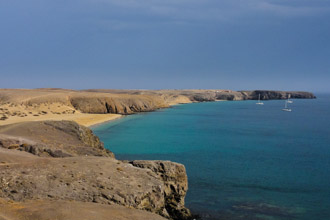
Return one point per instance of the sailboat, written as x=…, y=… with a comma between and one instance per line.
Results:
x=259, y=102
x=289, y=101
x=286, y=107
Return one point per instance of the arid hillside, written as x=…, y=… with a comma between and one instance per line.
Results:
x=58, y=104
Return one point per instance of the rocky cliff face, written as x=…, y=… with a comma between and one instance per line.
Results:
x=85, y=179
x=247, y=95
x=117, y=104
x=268, y=95
x=84, y=171
x=52, y=138
x=175, y=183
x=214, y=95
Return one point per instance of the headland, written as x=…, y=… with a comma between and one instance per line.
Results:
x=90, y=107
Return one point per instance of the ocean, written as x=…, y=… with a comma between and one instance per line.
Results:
x=243, y=161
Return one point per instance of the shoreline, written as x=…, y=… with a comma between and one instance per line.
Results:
x=96, y=124
x=88, y=120
x=93, y=107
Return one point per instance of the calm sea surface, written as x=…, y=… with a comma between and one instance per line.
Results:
x=243, y=161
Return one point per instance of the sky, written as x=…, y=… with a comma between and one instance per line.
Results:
x=165, y=44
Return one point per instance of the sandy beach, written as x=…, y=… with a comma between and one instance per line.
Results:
x=91, y=107
x=54, y=111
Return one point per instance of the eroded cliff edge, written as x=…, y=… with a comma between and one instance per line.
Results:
x=132, y=101
x=119, y=101
x=61, y=161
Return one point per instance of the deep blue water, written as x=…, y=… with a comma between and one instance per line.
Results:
x=243, y=161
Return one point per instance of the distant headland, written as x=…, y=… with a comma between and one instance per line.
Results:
x=19, y=105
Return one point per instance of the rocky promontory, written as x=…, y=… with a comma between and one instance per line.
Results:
x=68, y=164
x=188, y=96
x=53, y=139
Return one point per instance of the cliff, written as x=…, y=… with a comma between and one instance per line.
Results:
x=218, y=95
x=269, y=95
x=186, y=96
x=79, y=169
x=52, y=138
x=40, y=102
x=117, y=104
x=175, y=182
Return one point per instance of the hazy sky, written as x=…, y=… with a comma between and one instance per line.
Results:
x=159, y=44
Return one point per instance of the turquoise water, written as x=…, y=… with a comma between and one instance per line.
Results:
x=243, y=161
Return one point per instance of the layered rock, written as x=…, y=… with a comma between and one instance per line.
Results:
x=86, y=179
x=94, y=177
x=268, y=95
x=175, y=182
x=52, y=138
x=117, y=104
x=206, y=96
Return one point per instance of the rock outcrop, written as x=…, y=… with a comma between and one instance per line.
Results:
x=268, y=95
x=52, y=138
x=124, y=104
x=206, y=96
x=84, y=171
x=175, y=182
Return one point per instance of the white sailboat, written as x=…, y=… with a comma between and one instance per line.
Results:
x=286, y=107
x=289, y=101
x=259, y=102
